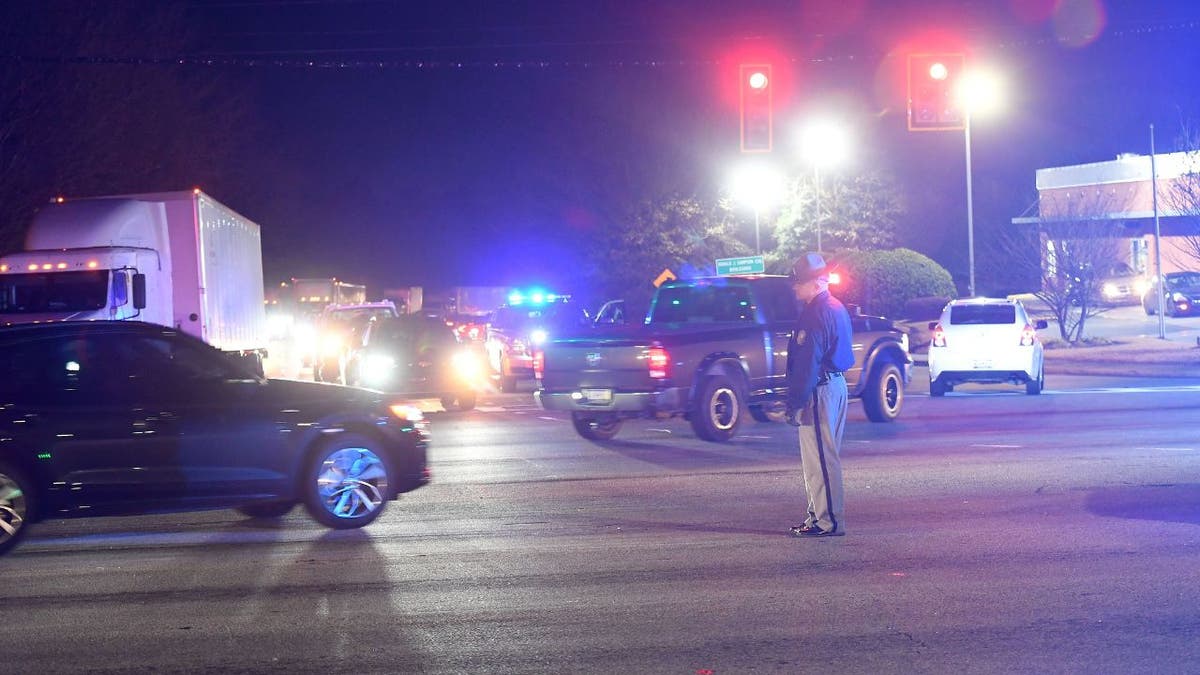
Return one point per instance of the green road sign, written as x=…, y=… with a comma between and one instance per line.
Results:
x=752, y=264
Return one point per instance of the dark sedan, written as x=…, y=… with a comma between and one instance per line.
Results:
x=1181, y=294
x=113, y=418
x=418, y=357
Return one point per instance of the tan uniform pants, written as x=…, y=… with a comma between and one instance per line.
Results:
x=820, y=454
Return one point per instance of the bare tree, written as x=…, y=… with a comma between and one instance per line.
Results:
x=1182, y=197
x=1068, y=253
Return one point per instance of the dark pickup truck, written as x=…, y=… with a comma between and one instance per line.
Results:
x=710, y=350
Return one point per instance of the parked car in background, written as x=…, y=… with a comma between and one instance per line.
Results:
x=1180, y=294
x=113, y=418
x=1121, y=285
x=523, y=325
x=989, y=340
x=418, y=357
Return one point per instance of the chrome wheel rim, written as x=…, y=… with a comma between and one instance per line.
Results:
x=892, y=393
x=13, y=508
x=352, y=483
x=723, y=408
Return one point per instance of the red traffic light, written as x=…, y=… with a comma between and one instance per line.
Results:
x=755, y=95
x=932, y=80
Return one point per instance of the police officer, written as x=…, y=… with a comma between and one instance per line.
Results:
x=818, y=353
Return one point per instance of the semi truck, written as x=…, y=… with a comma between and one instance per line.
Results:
x=179, y=259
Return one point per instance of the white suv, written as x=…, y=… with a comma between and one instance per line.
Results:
x=987, y=340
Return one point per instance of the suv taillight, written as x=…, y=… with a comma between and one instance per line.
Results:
x=539, y=363
x=658, y=361
x=939, y=337
x=1028, y=336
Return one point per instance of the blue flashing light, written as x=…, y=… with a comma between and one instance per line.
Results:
x=537, y=297
x=515, y=298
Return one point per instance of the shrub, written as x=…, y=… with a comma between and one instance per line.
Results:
x=892, y=283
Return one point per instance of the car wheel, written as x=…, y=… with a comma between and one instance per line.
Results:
x=347, y=482
x=1034, y=387
x=596, y=427
x=884, y=395
x=267, y=509
x=937, y=388
x=719, y=407
x=460, y=402
x=16, y=505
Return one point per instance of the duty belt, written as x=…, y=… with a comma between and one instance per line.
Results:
x=825, y=377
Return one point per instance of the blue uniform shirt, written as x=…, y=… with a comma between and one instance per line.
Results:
x=820, y=344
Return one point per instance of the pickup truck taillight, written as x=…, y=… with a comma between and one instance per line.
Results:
x=939, y=337
x=658, y=361
x=539, y=363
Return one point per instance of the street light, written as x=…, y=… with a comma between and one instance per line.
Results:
x=759, y=186
x=823, y=143
x=978, y=91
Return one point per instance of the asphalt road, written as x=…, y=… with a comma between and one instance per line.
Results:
x=989, y=531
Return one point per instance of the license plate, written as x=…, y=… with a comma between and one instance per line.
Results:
x=597, y=395
x=983, y=365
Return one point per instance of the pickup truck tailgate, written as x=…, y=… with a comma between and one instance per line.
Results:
x=617, y=363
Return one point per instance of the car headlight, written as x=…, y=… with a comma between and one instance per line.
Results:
x=377, y=369
x=1179, y=297
x=1141, y=286
x=1110, y=290
x=331, y=345
x=466, y=366
x=538, y=336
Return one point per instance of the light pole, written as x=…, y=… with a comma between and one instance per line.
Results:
x=978, y=91
x=823, y=143
x=758, y=186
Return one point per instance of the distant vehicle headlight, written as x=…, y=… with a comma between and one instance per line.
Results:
x=1110, y=290
x=1141, y=286
x=538, y=336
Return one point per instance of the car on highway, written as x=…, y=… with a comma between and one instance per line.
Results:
x=520, y=327
x=1181, y=294
x=986, y=340
x=119, y=417
x=340, y=331
x=418, y=357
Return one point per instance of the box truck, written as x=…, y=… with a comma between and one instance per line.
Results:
x=179, y=259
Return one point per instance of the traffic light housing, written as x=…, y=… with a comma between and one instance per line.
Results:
x=933, y=81
x=755, y=91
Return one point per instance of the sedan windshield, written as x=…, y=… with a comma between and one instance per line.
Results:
x=53, y=292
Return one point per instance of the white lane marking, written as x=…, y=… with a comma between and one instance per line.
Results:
x=1176, y=448
x=550, y=419
x=995, y=445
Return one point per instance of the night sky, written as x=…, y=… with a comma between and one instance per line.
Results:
x=411, y=143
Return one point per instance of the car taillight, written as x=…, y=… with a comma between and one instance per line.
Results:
x=539, y=363
x=658, y=361
x=518, y=346
x=1028, y=336
x=939, y=337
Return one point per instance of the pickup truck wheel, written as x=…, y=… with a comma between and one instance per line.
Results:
x=461, y=402
x=596, y=427
x=884, y=395
x=718, y=410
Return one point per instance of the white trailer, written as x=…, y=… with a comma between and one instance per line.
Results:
x=178, y=259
